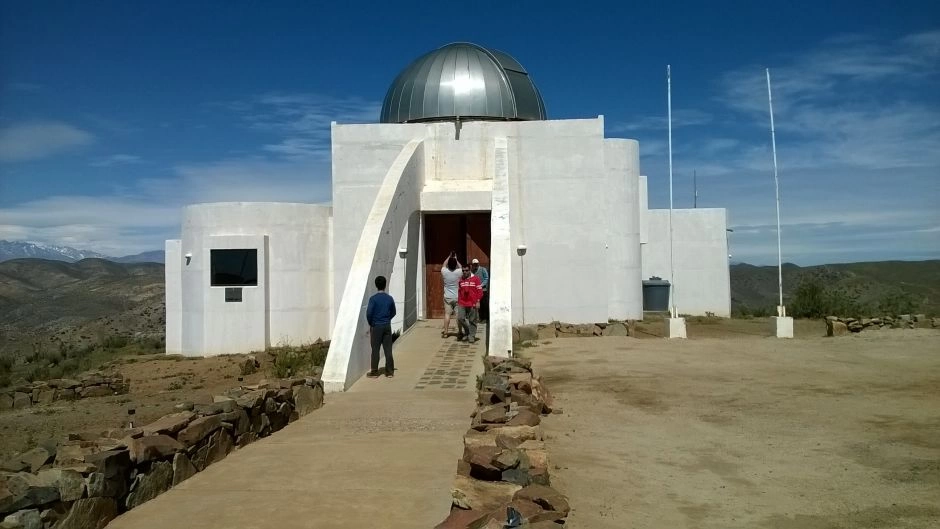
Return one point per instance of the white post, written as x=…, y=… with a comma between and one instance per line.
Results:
x=781, y=310
x=672, y=278
x=783, y=325
x=675, y=326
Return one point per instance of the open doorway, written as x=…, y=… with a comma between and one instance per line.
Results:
x=468, y=234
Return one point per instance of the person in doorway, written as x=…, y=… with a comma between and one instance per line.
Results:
x=379, y=315
x=484, y=276
x=468, y=302
x=450, y=275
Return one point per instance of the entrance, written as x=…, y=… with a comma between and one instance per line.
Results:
x=468, y=234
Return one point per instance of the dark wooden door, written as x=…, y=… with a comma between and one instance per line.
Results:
x=467, y=234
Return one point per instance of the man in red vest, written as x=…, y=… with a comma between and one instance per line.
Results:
x=469, y=293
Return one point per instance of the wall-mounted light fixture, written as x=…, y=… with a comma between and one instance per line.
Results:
x=520, y=250
x=403, y=252
x=189, y=257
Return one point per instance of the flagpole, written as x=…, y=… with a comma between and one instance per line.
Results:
x=781, y=310
x=672, y=278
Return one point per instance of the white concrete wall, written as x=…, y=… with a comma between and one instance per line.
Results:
x=501, y=256
x=644, y=210
x=559, y=211
x=290, y=305
x=622, y=162
x=395, y=203
x=702, y=281
x=174, y=296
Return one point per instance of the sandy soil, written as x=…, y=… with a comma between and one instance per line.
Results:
x=809, y=433
x=158, y=383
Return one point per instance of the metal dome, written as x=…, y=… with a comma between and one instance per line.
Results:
x=466, y=81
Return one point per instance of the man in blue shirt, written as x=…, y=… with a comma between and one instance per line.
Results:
x=379, y=315
x=484, y=276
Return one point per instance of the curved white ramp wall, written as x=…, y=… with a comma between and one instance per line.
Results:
x=397, y=200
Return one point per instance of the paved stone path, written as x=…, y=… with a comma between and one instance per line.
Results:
x=382, y=454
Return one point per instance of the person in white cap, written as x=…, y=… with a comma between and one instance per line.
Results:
x=484, y=276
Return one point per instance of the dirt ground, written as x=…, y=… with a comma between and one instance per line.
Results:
x=157, y=382
x=747, y=431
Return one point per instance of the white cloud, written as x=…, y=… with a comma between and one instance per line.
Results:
x=116, y=159
x=858, y=139
x=39, y=139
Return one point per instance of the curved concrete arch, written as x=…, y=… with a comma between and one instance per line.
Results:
x=398, y=199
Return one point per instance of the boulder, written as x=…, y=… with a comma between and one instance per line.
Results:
x=246, y=439
x=96, y=391
x=474, y=494
x=6, y=401
x=99, y=486
x=261, y=425
x=528, y=333
x=46, y=396
x=26, y=519
x=215, y=449
x=183, y=468
x=525, y=417
x=14, y=465
x=71, y=453
x=67, y=394
x=521, y=381
x=199, y=429
x=307, y=398
x=481, y=461
x=252, y=399
x=153, y=447
x=493, y=414
x=111, y=463
x=21, y=400
x=221, y=398
x=507, y=459
x=250, y=366
x=23, y=490
x=541, y=393
x=185, y=406
x=36, y=458
x=169, y=424
x=460, y=519
x=616, y=328
x=836, y=328
x=546, y=497
x=547, y=332
x=239, y=419
x=526, y=400
x=70, y=483
x=150, y=485
x=90, y=513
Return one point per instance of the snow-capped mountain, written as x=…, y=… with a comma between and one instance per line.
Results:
x=37, y=250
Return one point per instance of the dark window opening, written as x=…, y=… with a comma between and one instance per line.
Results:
x=234, y=268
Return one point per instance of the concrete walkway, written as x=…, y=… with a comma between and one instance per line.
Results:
x=380, y=455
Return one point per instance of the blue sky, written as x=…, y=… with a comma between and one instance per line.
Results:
x=113, y=115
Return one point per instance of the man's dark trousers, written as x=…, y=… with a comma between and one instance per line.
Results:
x=382, y=337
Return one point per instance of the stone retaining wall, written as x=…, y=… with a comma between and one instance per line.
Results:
x=556, y=329
x=837, y=326
x=85, y=481
x=45, y=392
x=503, y=477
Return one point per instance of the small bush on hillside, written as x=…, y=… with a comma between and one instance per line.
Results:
x=896, y=302
x=813, y=300
x=6, y=365
x=295, y=361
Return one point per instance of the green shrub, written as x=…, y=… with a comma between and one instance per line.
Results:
x=896, y=302
x=296, y=361
x=6, y=365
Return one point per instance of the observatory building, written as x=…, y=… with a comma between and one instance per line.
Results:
x=464, y=158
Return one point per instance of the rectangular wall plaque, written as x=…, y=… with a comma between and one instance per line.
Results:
x=233, y=295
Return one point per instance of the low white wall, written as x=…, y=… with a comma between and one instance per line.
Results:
x=290, y=305
x=702, y=278
x=396, y=202
x=172, y=270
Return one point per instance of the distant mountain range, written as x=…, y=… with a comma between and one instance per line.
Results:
x=36, y=250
